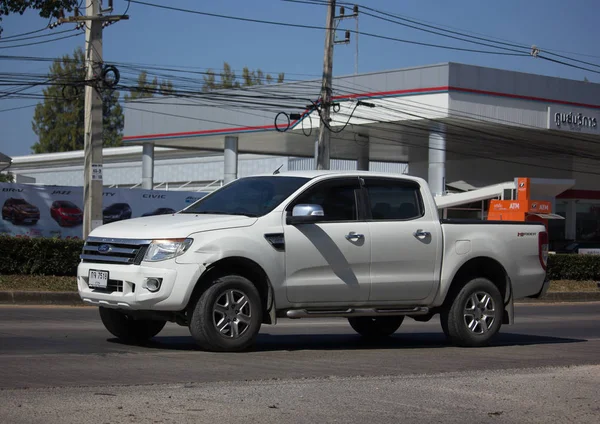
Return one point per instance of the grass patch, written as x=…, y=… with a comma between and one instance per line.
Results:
x=38, y=283
x=573, y=286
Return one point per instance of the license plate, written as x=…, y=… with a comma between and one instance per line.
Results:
x=98, y=279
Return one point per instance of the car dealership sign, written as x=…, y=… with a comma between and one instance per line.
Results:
x=54, y=211
x=574, y=119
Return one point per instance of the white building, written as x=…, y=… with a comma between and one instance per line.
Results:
x=459, y=126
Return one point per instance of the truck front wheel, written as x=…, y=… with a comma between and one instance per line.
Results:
x=475, y=314
x=227, y=316
x=128, y=329
x=376, y=327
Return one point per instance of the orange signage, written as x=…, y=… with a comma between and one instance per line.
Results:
x=523, y=189
x=539, y=207
x=522, y=209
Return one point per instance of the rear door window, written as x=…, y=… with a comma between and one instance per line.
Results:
x=390, y=199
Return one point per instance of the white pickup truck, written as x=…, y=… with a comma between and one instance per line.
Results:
x=365, y=246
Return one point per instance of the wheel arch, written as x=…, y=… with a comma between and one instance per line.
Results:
x=483, y=267
x=246, y=268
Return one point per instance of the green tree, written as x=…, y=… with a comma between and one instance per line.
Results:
x=145, y=89
x=228, y=78
x=59, y=120
x=7, y=178
x=46, y=8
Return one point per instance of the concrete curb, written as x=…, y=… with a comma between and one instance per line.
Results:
x=40, y=298
x=553, y=297
x=73, y=299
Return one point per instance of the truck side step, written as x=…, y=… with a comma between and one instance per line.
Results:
x=355, y=312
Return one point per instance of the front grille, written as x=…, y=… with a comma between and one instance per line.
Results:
x=114, y=286
x=100, y=250
x=111, y=286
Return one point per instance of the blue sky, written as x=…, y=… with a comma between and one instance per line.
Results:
x=154, y=36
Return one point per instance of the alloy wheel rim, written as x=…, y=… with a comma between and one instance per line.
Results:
x=232, y=314
x=479, y=313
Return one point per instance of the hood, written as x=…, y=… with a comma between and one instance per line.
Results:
x=170, y=226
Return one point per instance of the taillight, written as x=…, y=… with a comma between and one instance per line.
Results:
x=543, y=248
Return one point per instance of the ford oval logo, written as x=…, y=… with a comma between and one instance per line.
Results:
x=104, y=248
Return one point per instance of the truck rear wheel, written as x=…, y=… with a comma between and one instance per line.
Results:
x=227, y=316
x=475, y=314
x=376, y=327
x=128, y=329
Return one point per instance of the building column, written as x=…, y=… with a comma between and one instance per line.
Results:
x=362, y=162
x=437, y=160
x=571, y=220
x=148, y=166
x=230, y=157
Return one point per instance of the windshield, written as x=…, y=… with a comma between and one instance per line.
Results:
x=253, y=196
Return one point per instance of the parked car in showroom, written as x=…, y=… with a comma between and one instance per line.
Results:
x=66, y=213
x=116, y=212
x=160, y=211
x=20, y=211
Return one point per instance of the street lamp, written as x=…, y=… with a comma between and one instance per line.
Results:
x=5, y=162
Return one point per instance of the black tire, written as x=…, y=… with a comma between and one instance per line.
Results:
x=214, y=308
x=128, y=329
x=376, y=327
x=465, y=312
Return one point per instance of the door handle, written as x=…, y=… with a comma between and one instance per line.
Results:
x=420, y=234
x=354, y=236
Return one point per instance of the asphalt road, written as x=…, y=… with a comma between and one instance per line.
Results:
x=58, y=364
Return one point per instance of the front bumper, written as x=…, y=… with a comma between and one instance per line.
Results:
x=543, y=290
x=126, y=285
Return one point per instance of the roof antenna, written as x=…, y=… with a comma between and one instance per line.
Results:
x=277, y=170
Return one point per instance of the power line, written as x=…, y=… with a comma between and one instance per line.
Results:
x=292, y=25
x=41, y=42
x=33, y=37
x=17, y=108
x=438, y=28
x=27, y=33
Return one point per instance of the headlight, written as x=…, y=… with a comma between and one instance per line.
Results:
x=160, y=250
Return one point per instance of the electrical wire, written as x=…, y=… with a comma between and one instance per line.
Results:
x=293, y=25
x=33, y=37
x=27, y=33
x=17, y=108
x=41, y=42
x=436, y=29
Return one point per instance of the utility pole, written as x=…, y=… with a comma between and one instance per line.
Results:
x=94, y=21
x=323, y=149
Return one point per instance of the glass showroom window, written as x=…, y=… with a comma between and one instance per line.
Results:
x=588, y=221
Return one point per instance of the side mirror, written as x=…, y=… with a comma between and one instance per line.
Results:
x=305, y=214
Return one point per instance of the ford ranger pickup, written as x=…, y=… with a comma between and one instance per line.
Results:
x=364, y=246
